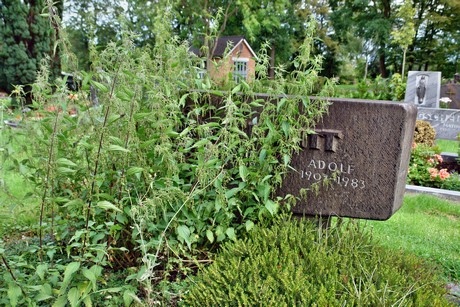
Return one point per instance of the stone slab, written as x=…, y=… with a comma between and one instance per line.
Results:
x=447, y=194
x=423, y=88
x=446, y=122
x=363, y=149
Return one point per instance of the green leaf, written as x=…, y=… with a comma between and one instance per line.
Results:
x=286, y=159
x=61, y=301
x=87, y=301
x=236, y=89
x=14, y=293
x=91, y=277
x=184, y=233
x=70, y=269
x=134, y=170
x=262, y=155
x=230, y=232
x=65, y=171
x=116, y=141
x=243, y=172
x=117, y=148
x=210, y=235
x=249, y=225
x=183, y=99
x=271, y=206
x=101, y=87
x=280, y=104
x=218, y=93
x=74, y=203
x=185, y=131
x=122, y=96
x=106, y=205
x=73, y=296
x=114, y=289
x=42, y=297
x=200, y=143
x=172, y=134
x=285, y=126
x=65, y=162
x=41, y=270
x=129, y=296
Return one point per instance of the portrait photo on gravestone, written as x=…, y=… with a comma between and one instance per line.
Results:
x=423, y=88
x=355, y=164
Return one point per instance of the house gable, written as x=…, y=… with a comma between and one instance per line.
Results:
x=239, y=60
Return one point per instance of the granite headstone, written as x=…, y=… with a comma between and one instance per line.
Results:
x=423, y=88
x=362, y=149
x=452, y=91
x=446, y=122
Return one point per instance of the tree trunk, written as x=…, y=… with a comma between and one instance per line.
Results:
x=271, y=70
x=366, y=67
x=382, y=65
x=403, y=64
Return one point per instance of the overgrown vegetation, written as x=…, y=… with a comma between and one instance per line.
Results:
x=294, y=263
x=161, y=171
x=378, y=89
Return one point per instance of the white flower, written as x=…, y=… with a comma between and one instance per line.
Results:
x=445, y=100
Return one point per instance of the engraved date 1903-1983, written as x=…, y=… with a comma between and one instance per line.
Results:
x=344, y=181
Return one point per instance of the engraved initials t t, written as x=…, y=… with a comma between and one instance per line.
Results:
x=329, y=136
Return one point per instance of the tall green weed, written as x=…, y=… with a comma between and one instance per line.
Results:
x=163, y=168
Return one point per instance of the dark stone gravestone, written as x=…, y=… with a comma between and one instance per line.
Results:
x=446, y=122
x=362, y=149
x=423, y=88
x=452, y=91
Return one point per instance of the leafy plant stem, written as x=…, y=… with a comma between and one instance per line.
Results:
x=120, y=186
x=47, y=179
x=96, y=165
x=12, y=274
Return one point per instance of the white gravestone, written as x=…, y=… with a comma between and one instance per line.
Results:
x=423, y=88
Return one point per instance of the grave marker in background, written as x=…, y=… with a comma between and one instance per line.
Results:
x=452, y=91
x=363, y=149
x=423, y=88
x=446, y=122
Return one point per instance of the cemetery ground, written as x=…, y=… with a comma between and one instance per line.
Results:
x=425, y=226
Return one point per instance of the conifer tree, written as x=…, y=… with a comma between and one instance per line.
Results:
x=25, y=39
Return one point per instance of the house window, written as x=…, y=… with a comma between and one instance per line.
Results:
x=240, y=70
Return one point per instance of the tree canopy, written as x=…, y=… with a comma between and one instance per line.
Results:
x=356, y=38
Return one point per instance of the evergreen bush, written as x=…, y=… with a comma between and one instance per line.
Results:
x=294, y=263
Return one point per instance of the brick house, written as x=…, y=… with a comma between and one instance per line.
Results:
x=239, y=59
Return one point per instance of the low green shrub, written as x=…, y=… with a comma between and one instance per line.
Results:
x=295, y=264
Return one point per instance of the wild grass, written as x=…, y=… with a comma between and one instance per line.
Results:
x=448, y=145
x=18, y=206
x=426, y=226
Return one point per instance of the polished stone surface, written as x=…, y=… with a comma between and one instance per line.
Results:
x=423, y=88
x=446, y=122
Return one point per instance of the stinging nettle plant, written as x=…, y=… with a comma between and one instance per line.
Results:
x=164, y=168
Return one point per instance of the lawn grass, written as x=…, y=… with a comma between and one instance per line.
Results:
x=18, y=206
x=426, y=226
x=448, y=145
